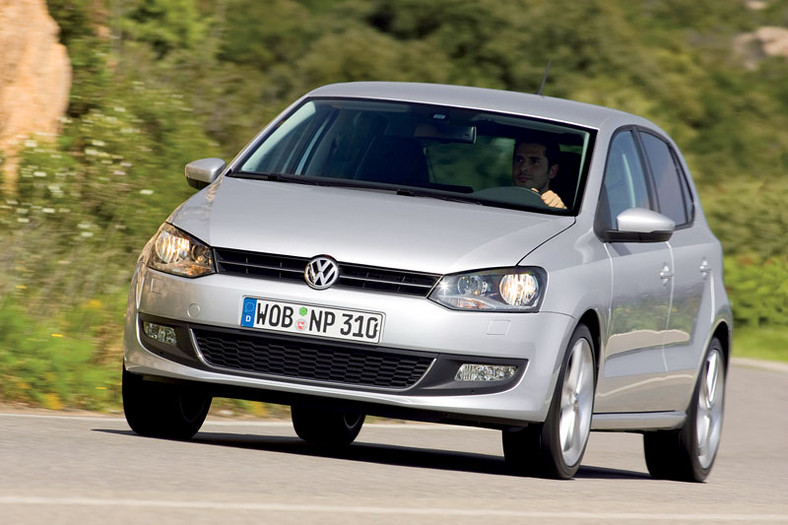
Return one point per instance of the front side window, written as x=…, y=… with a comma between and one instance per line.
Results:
x=624, y=185
x=672, y=197
x=426, y=150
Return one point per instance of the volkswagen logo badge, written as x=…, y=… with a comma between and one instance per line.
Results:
x=321, y=272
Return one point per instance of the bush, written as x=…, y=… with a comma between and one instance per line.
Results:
x=86, y=206
x=748, y=216
x=758, y=288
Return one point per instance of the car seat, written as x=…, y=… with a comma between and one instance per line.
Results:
x=394, y=160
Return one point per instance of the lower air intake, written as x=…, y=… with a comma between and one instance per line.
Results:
x=307, y=360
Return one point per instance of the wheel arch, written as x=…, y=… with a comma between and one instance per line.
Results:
x=723, y=333
x=591, y=320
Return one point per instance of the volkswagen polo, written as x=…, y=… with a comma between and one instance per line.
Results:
x=446, y=254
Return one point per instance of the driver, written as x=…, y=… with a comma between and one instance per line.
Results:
x=534, y=164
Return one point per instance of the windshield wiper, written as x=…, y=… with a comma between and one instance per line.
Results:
x=276, y=177
x=412, y=192
x=349, y=183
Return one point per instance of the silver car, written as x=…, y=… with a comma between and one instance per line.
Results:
x=446, y=254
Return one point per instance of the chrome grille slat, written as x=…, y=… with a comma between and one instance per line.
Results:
x=383, y=281
x=283, y=267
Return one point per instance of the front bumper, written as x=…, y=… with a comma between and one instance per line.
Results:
x=207, y=311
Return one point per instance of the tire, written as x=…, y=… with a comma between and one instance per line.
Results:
x=328, y=428
x=163, y=410
x=688, y=453
x=555, y=448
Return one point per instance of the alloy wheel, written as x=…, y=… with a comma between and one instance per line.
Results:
x=576, y=402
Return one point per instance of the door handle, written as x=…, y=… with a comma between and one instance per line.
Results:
x=666, y=273
x=705, y=268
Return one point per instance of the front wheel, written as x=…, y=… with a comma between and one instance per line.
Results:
x=555, y=448
x=330, y=428
x=688, y=453
x=163, y=410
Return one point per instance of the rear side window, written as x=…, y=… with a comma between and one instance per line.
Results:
x=671, y=188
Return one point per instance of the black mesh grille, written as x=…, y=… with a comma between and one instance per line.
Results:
x=282, y=267
x=311, y=360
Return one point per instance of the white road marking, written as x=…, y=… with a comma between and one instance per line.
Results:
x=398, y=511
x=107, y=419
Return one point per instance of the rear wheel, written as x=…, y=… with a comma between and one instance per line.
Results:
x=331, y=428
x=163, y=410
x=555, y=448
x=688, y=453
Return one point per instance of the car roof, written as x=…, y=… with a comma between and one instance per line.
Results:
x=521, y=104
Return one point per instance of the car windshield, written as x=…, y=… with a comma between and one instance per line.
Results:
x=426, y=150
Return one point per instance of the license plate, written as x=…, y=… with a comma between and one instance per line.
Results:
x=306, y=319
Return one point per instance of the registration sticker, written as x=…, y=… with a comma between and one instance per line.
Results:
x=307, y=319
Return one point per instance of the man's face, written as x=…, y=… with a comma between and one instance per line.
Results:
x=530, y=168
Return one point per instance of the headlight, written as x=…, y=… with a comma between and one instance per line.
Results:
x=178, y=253
x=505, y=289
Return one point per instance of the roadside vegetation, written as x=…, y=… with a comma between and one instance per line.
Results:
x=178, y=80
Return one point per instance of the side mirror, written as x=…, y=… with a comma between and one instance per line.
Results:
x=641, y=225
x=203, y=172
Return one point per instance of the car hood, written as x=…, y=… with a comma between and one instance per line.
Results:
x=363, y=226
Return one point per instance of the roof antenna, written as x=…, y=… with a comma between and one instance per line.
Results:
x=544, y=79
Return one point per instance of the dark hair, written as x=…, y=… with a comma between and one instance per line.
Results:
x=551, y=148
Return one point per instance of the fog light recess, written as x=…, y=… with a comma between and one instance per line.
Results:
x=478, y=372
x=160, y=333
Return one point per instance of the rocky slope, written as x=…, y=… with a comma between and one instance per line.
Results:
x=35, y=78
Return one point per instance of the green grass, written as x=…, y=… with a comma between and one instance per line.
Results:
x=761, y=343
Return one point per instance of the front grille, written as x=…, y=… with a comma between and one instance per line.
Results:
x=308, y=360
x=283, y=267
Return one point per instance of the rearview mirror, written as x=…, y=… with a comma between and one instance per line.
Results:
x=641, y=225
x=203, y=172
x=443, y=132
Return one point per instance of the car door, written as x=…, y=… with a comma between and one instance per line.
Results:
x=632, y=366
x=695, y=253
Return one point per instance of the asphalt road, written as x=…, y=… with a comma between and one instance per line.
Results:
x=85, y=470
